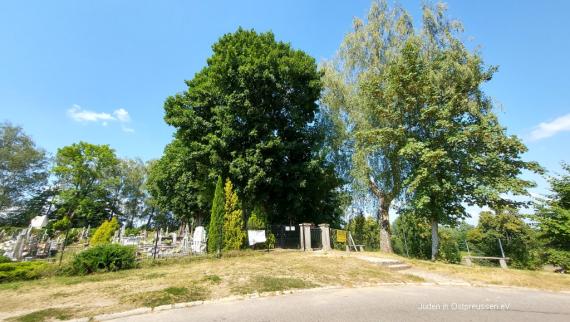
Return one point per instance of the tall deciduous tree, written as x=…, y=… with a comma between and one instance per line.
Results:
x=357, y=95
x=23, y=167
x=458, y=152
x=216, y=227
x=250, y=115
x=423, y=128
x=86, y=174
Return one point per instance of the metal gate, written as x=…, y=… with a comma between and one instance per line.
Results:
x=316, y=241
x=286, y=236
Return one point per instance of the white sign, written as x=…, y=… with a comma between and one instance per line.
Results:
x=39, y=221
x=256, y=236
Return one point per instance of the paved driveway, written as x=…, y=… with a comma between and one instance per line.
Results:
x=383, y=303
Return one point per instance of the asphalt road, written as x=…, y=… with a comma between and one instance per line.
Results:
x=385, y=303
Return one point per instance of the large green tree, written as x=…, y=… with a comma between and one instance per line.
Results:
x=250, y=115
x=86, y=175
x=23, y=167
x=458, y=152
x=552, y=217
x=425, y=132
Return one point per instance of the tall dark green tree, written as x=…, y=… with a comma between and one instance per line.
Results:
x=250, y=115
x=216, y=227
x=23, y=168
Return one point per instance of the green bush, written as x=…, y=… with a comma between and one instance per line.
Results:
x=21, y=271
x=558, y=258
x=4, y=259
x=105, y=232
x=256, y=221
x=448, y=246
x=103, y=258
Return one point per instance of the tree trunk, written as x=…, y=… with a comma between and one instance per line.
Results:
x=384, y=221
x=434, y=239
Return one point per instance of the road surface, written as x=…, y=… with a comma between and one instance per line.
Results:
x=383, y=303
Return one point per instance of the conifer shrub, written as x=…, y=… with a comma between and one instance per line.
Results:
x=215, y=230
x=105, y=232
x=22, y=271
x=233, y=232
x=103, y=258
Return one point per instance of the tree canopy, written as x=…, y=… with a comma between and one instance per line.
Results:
x=23, y=167
x=251, y=115
x=424, y=130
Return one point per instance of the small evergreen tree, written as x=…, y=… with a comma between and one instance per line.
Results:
x=234, y=234
x=215, y=230
x=105, y=232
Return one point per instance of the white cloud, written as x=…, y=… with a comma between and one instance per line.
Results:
x=80, y=115
x=548, y=129
x=120, y=115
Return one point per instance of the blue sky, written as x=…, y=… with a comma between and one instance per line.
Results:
x=100, y=71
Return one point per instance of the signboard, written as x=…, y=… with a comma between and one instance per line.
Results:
x=341, y=236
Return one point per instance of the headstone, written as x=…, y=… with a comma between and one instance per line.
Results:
x=199, y=240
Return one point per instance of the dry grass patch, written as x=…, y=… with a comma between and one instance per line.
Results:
x=202, y=277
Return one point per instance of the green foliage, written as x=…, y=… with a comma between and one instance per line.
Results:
x=256, y=220
x=22, y=271
x=103, y=258
x=364, y=231
x=420, y=121
x=251, y=115
x=449, y=246
x=4, y=259
x=553, y=215
x=558, y=258
x=412, y=237
x=105, y=232
x=62, y=224
x=215, y=230
x=518, y=239
x=23, y=169
x=233, y=233
x=131, y=231
x=88, y=175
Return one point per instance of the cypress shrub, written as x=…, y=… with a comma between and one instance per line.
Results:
x=233, y=232
x=215, y=230
x=105, y=232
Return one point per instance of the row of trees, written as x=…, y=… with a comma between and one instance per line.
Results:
x=529, y=240
x=399, y=114
x=87, y=183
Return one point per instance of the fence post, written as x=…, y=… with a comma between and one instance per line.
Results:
x=305, y=235
x=325, y=236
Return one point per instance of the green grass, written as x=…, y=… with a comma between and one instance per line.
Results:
x=213, y=278
x=44, y=315
x=262, y=284
x=169, y=295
